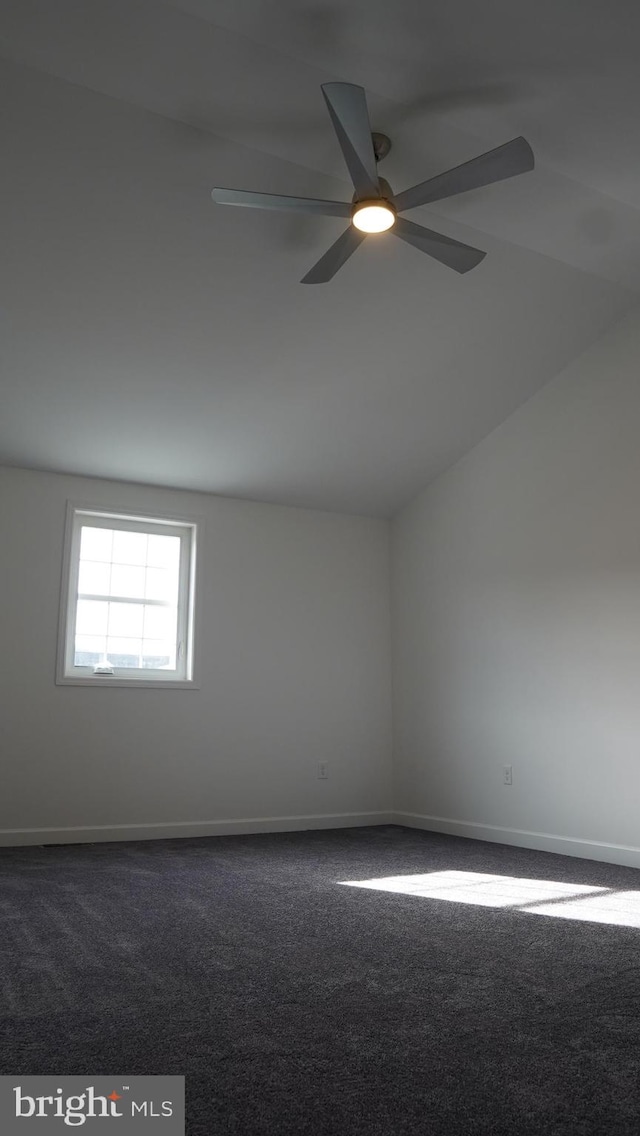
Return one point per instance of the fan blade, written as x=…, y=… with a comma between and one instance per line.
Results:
x=278, y=201
x=335, y=257
x=347, y=106
x=452, y=253
x=515, y=157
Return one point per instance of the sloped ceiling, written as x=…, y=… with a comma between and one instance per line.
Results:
x=151, y=336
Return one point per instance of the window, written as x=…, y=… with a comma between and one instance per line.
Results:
x=128, y=598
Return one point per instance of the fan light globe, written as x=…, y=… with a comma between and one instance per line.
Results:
x=373, y=216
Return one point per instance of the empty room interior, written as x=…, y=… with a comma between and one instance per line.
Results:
x=320, y=567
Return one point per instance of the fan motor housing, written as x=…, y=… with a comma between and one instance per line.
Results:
x=386, y=194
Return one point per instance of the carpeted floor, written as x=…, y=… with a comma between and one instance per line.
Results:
x=295, y=1005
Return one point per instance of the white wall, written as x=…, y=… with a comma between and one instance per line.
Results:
x=516, y=607
x=295, y=654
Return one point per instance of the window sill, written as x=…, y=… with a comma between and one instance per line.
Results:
x=130, y=683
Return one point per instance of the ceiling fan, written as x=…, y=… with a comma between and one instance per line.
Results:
x=375, y=207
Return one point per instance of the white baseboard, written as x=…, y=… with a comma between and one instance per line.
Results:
x=90, y=834
x=624, y=854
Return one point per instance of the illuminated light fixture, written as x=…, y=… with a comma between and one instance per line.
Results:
x=373, y=216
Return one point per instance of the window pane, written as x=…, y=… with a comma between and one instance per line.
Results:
x=123, y=652
x=160, y=622
x=162, y=585
x=127, y=580
x=91, y=643
x=118, y=660
x=163, y=551
x=126, y=619
x=94, y=578
x=87, y=658
x=95, y=544
x=159, y=654
x=129, y=547
x=88, y=650
x=92, y=617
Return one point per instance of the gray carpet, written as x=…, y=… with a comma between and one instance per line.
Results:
x=295, y=1005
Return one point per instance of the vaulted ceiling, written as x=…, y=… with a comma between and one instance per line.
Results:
x=151, y=336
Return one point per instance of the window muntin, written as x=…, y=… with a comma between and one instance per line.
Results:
x=130, y=599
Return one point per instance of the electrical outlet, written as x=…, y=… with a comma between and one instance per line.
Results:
x=507, y=775
x=323, y=770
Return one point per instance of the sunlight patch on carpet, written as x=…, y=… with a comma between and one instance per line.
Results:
x=537, y=897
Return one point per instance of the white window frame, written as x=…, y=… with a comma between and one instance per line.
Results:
x=184, y=676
